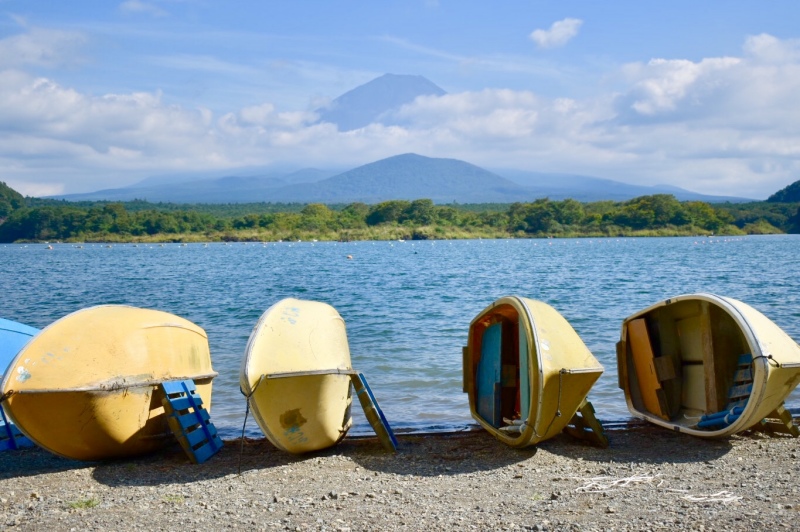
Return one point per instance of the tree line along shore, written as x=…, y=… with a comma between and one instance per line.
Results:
x=36, y=220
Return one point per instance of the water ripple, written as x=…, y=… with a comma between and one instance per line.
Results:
x=408, y=305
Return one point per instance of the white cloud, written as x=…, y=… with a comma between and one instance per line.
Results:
x=661, y=85
x=559, y=34
x=769, y=49
x=41, y=47
x=728, y=125
x=137, y=6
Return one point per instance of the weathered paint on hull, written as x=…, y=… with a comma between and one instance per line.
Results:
x=551, y=371
x=305, y=413
x=299, y=413
x=726, y=328
x=87, y=387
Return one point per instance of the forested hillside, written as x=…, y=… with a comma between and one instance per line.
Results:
x=656, y=215
x=789, y=194
x=10, y=200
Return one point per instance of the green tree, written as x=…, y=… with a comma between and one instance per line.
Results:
x=387, y=212
x=420, y=212
x=317, y=217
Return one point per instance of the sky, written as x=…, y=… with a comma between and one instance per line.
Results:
x=102, y=94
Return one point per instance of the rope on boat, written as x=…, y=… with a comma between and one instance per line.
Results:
x=246, y=413
x=770, y=361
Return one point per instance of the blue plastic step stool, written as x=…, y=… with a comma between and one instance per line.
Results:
x=738, y=394
x=10, y=437
x=189, y=421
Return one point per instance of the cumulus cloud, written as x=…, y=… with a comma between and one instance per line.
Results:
x=559, y=34
x=725, y=125
x=661, y=85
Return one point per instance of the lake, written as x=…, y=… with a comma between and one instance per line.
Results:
x=407, y=305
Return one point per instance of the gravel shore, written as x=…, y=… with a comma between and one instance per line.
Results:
x=648, y=479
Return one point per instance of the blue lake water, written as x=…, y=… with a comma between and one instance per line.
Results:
x=407, y=305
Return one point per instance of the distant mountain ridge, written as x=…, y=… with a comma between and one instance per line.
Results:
x=406, y=176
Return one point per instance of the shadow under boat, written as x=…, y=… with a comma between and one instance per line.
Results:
x=709, y=366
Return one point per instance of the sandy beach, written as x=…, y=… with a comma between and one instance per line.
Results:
x=648, y=479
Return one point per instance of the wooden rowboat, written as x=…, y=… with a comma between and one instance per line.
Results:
x=296, y=375
x=707, y=365
x=527, y=373
x=87, y=387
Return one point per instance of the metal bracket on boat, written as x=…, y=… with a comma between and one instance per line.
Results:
x=6, y=395
x=334, y=371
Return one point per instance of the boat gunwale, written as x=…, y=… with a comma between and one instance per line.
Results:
x=759, y=366
x=115, y=386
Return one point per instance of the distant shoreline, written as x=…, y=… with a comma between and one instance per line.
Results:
x=268, y=239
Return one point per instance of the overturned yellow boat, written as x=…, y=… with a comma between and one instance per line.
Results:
x=87, y=387
x=707, y=365
x=296, y=375
x=527, y=373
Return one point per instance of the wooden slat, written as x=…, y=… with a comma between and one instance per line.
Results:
x=713, y=402
x=642, y=353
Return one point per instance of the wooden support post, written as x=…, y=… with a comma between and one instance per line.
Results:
x=780, y=420
x=713, y=403
x=584, y=425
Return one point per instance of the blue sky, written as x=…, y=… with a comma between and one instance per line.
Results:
x=702, y=95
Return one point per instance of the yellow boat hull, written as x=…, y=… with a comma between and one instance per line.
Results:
x=296, y=375
x=87, y=387
x=678, y=361
x=539, y=371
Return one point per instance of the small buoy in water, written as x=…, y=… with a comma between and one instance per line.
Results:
x=349, y=256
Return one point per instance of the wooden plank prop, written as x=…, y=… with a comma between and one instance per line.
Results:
x=644, y=361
